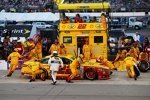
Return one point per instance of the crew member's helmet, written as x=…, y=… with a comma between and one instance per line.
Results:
x=55, y=53
x=16, y=50
x=100, y=59
x=128, y=54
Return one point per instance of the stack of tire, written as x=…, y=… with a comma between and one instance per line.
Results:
x=143, y=66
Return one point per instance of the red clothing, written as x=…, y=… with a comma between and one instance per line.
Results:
x=20, y=49
x=78, y=20
x=147, y=49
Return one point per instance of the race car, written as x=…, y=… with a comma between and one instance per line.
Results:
x=88, y=69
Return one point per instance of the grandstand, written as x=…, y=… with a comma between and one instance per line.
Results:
x=50, y=6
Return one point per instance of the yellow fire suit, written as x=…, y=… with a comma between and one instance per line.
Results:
x=118, y=57
x=27, y=45
x=63, y=51
x=87, y=51
x=143, y=56
x=103, y=19
x=54, y=47
x=14, y=57
x=133, y=53
x=74, y=66
x=123, y=54
x=38, y=48
x=129, y=63
x=36, y=69
x=33, y=55
x=108, y=64
x=136, y=49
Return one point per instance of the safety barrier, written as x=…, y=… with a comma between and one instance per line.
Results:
x=20, y=62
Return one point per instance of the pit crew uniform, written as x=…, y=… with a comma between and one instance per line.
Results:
x=33, y=55
x=105, y=62
x=54, y=47
x=63, y=51
x=13, y=57
x=74, y=66
x=38, y=48
x=129, y=63
x=87, y=51
x=143, y=56
x=36, y=69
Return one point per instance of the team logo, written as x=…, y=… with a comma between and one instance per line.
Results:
x=71, y=26
x=98, y=25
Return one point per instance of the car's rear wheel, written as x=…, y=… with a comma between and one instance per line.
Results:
x=90, y=74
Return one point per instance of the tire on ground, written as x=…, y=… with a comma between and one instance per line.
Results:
x=143, y=66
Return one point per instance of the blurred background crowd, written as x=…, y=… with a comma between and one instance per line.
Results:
x=49, y=5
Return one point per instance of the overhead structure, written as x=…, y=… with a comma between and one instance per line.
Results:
x=81, y=6
x=74, y=35
x=21, y=17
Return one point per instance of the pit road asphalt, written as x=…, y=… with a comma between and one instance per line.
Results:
x=119, y=87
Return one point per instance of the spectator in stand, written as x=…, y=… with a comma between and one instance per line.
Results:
x=141, y=38
x=136, y=37
x=1, y=49
x=94, y=19
x=6, y=48
x=12, y=45
x=65, y=20
x=78, y=19
x=145, y=43
x=20, y=47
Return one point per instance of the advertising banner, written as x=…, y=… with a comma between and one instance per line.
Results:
x=18, y=30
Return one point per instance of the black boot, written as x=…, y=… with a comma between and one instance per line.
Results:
x=69, y=81
x=54, y=83
x=31, y=80
x=135, y=77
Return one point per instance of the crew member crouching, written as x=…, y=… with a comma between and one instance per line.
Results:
x=75, y=66
x=37, y=69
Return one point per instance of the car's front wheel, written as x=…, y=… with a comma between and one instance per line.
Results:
x=45, y=73
x=90, y=74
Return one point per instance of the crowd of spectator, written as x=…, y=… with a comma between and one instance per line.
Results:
x=49, y=5
x=7, y=46
x=26, y=5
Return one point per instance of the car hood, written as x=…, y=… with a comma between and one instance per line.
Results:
x=93, y=63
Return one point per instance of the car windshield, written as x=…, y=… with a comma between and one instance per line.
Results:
x=44, y=61
x=116, y=33
x=65, y=60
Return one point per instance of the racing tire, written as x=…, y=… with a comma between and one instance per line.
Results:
x=90, y=74
x=143, y=66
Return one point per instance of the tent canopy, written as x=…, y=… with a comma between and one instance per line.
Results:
x=21, y=17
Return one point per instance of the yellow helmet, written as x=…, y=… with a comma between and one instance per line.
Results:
x=101, y=57
x=16, y=49
x=128, y=54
